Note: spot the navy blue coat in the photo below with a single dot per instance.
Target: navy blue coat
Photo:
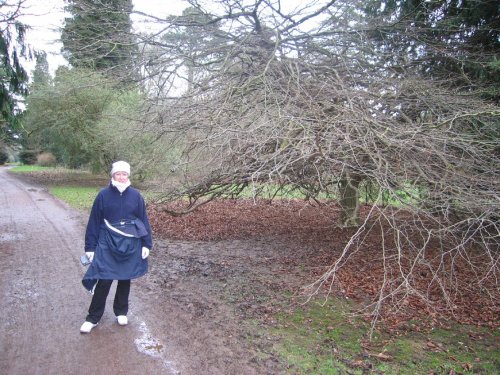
(114, 206)
(117, 245)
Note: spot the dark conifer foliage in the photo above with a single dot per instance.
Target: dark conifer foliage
(13, 76)
(98, 36)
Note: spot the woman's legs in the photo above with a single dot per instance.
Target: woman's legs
(120, 305)
(96, 309)
(101, 291)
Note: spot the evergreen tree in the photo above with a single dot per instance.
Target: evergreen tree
(13, 77)
(457, 41)
(41, 75)
(98, 36)
(62, 116)
(29, 140)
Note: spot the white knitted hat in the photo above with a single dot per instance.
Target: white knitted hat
(120, 166)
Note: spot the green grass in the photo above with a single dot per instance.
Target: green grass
(407, 196)
(317, 339)
(268, 191)
(78, 197)
(78, 188)
(30, 168)
(75, 187)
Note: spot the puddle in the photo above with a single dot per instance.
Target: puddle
(7, 237)
(151, 346)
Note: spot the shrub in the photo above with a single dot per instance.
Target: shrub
(28, 157)
(4, 157)
(46, 159)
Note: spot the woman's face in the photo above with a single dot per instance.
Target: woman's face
(121, 177)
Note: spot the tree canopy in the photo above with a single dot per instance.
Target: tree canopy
(394, 99)
(13, 76)
(457, 40)
(98, 36)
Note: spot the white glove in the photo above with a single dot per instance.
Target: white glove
(90, 255)
(145, 252)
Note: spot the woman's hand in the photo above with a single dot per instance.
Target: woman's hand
(145, 252)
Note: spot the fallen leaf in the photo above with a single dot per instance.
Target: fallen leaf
(358, 363)
(384, 357)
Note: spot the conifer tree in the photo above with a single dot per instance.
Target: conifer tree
(13, 76)
(98, 36)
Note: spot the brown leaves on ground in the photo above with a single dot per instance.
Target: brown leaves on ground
(315, 243)
(244, 218)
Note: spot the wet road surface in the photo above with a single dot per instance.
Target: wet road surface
(43, 303)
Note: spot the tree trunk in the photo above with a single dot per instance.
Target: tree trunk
(349, 200)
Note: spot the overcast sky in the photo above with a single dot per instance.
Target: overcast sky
(46, 17)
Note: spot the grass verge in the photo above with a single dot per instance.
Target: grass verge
(77, 188)
(323, 339)
(79, 197)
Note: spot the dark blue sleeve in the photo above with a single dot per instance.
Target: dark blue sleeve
(147, 240)
(94, 224)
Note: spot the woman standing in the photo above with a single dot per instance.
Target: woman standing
(117, 243)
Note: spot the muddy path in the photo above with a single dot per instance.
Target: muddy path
(216, 300)
(198, 310)
(43, 304)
